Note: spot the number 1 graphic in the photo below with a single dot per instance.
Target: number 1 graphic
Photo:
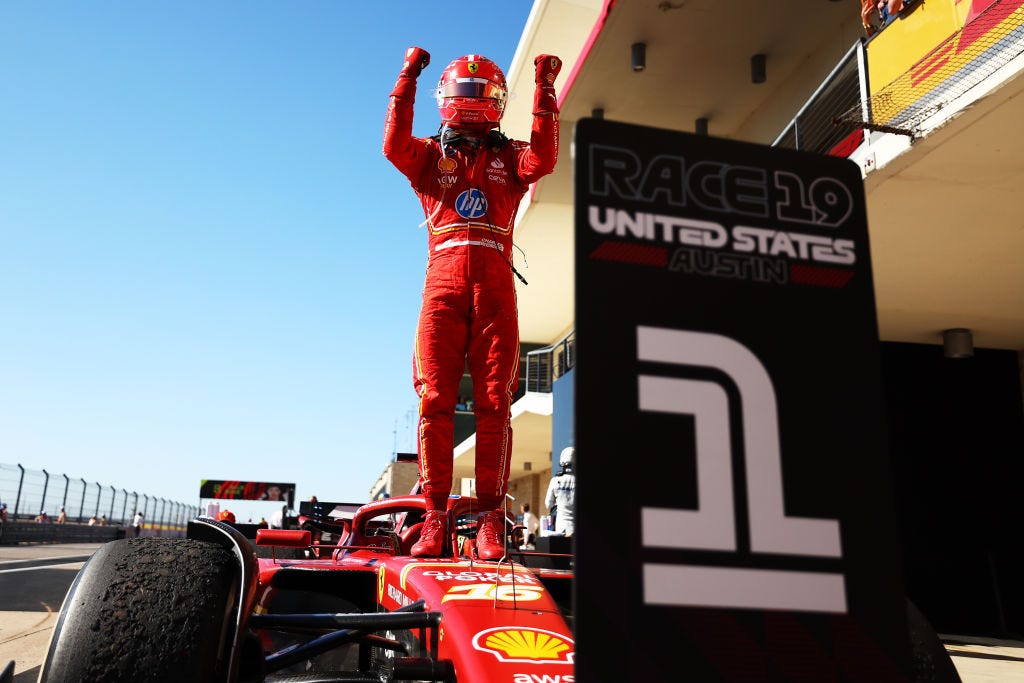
(712, 526)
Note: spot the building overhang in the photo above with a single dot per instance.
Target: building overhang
(531, 443)
(944, 220)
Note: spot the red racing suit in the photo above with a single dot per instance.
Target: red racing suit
(470, 196)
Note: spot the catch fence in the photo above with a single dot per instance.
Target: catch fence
(30, 493)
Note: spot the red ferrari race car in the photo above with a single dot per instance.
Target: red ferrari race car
(214, 607)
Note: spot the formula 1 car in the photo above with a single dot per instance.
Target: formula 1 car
(213, 607)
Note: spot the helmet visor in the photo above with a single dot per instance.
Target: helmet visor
(471, 87)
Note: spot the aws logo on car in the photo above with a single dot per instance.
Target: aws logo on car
(471, 204)
(525, 645)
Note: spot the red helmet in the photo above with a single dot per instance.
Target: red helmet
(472, 90)
(226, 516)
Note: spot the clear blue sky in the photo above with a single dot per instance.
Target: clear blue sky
(208, 270)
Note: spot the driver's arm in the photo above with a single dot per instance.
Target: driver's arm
(406, 152)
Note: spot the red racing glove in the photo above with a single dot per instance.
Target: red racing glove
(416, 59)
(548, 67)
(544, 100)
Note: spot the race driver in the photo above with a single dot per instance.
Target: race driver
(469, 179)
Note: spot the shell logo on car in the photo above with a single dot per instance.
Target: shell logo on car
(527, 645)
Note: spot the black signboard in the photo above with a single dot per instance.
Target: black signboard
(734, 504)
(247, 490)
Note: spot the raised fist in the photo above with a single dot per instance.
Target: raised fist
(416, 59)
(548, 67)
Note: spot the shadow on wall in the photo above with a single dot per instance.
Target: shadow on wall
(957, 445)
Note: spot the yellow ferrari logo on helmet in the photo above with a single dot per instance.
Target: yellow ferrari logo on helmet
(472, 66)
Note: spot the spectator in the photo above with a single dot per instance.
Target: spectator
(877, 14)
(3, 512)
(888, 10)
(531, 527)
(62, 518)
(137, 524)
(868, 11)
(226, 516)
(103, 520)
(263, 523)
(277, 519)
(92, 521)
(43, 518)
(562, 494)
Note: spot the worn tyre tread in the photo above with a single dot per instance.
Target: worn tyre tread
(144, 609)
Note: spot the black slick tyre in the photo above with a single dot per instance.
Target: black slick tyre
(931, 662)
(146, 609)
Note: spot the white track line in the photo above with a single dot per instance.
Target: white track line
(66, 565)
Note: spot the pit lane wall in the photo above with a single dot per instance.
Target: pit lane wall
(13, 533)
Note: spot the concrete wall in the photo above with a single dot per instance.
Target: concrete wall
(12, 533)
(530, 489)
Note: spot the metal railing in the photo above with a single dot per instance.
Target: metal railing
(29, 493)
(842, 107)
(961, 62)
(544, 366)
(817, 126)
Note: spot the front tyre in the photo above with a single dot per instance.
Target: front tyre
(146, 609)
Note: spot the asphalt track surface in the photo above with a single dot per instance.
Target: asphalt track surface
(35, 578)
(33, 582)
